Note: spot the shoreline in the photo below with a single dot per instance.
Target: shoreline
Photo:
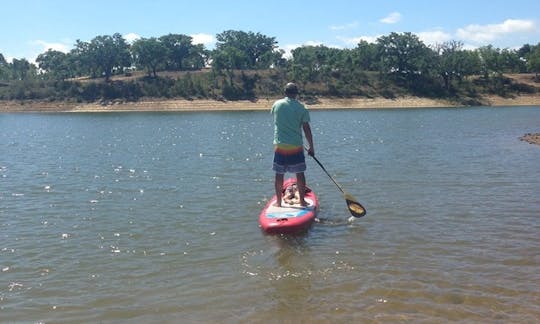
(201, 105)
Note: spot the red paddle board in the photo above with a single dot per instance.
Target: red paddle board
(289, 218)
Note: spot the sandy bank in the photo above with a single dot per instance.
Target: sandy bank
(261, 104)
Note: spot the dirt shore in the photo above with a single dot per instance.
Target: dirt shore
(261, 104)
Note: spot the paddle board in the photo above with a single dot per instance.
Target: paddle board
(288, 218)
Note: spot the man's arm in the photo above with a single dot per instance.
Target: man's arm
(309, 138)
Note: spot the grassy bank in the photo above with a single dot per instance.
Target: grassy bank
(255, 90)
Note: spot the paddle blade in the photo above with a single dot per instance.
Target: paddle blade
(355, 208)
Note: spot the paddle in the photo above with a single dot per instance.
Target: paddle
(355, 208)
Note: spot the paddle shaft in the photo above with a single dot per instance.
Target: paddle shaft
(328, 174)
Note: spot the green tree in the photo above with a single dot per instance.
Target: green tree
(451, 62)
(82, 60)
(197, 59)
(228, 59)
(455, 63)
(182, 54)
(524, 51)
(108, 53)
(533, 61)
(305, 65)
(4, 68)
(404, 57)
(365, 56)
(54, 63)
(149, 53)
(469, 63)
(511, 62)
(333, 67)
(22, 69)
(490, 61)
(244, 50)
(313, 63)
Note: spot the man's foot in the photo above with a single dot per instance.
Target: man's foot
(303, 203)
(276, 204)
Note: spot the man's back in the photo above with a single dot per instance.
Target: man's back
(289, 115)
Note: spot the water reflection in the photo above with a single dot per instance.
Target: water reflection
(292, 278)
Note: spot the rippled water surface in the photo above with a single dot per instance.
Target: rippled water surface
(153, 218)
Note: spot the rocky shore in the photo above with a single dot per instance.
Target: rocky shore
(531, 138)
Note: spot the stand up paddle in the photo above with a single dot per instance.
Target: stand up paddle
(355, 208)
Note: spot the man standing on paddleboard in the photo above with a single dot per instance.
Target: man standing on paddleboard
(290, 118)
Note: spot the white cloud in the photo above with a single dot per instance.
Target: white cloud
(434, 37)
(45, 46)
(290, 47)
(313, 43)
(201, 38)
(511, 33)
(353, 41)
(205, 39)
(9, 59)
(469, 47)
(344, 27)
(131, 37)
(392, 18)
(428, 37)
(288, 50)
(41, 46)
(488, 33)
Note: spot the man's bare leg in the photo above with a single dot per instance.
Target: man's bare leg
(278, 184)
(301, 182)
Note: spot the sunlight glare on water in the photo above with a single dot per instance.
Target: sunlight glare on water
(152, 217)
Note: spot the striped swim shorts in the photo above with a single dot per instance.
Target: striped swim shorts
(289, 159)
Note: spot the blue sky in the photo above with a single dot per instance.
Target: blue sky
(30, 27)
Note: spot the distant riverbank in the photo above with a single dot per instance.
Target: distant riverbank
(156, 105)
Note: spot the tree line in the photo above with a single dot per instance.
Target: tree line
(247, 65)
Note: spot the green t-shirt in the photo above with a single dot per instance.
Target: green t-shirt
(289, 116)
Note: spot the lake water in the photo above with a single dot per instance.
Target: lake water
(152, 217)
